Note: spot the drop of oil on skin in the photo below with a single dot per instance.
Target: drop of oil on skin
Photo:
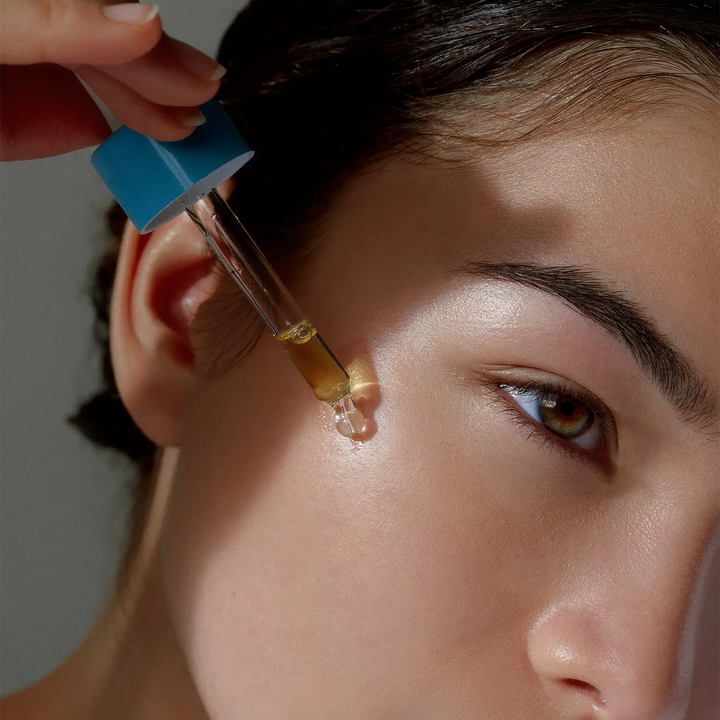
(349, 421)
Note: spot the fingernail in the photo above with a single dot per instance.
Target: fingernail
(190, 117)
(198, 63)
(137, 13)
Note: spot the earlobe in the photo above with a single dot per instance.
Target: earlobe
(162, 279)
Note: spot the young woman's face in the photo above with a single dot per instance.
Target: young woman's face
(485, 549)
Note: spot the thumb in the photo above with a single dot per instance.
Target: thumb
(76, 31)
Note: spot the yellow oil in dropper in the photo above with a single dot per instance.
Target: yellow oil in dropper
(315, 361)
(297, 336)
(324, 374)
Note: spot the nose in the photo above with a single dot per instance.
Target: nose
(592, 671)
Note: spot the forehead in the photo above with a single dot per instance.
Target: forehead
(637, 204)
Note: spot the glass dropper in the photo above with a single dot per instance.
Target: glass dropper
(267, 293)
(156, 181)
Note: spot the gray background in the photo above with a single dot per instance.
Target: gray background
(62, 502)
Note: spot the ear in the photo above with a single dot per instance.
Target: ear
(162, 279)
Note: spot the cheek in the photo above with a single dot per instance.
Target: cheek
(293, 556)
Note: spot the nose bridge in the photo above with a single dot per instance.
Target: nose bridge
(620, 644)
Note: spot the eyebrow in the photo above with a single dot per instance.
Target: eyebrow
(583, 291)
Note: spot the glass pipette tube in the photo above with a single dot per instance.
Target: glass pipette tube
(267, 293)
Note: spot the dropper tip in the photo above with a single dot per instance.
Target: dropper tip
(349, 421)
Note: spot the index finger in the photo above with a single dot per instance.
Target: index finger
(76, 32)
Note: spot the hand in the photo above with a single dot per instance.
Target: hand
(152, 82)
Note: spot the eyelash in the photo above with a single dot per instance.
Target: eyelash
(544, 435)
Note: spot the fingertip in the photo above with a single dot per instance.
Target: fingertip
(127, 32)
(176, 124)
(132, 13)
(190, 117)
(134, 39)
(175, 133)
(170, 131)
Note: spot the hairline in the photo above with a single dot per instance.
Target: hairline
(656, 81)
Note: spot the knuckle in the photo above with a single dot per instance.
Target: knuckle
(52, 16)
(50, 13)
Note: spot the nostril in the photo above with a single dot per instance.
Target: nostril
(586, 689)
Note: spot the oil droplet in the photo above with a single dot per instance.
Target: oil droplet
(349, 421)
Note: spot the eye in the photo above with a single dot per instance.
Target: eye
(564, 415)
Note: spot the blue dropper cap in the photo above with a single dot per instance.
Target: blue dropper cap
(155, 181)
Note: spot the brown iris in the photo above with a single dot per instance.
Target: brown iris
(565, 416)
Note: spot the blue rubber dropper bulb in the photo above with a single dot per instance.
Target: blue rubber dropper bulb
(155, 181)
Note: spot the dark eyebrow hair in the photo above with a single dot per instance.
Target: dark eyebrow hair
(585, 293)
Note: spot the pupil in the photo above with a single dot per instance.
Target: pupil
(567, 407)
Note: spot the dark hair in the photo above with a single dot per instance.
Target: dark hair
(323, 88)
